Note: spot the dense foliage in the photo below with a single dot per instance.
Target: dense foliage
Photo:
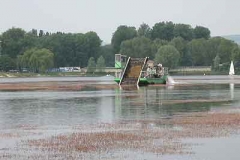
(167, 55)
(100, 66)
(91, 65)
(180, 44)
(38, 60)
(67, 49)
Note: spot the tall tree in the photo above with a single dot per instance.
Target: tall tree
(163, 31)
(183, 30)
(45, 57)
(121, 34)
(157, 43)
(225, 50)
(92, 44)
(101, 65)
(29, 41)
(216, 62)
(91, 65)
(235, 54)
(6, 63)
(201, 32)
(37, 60)
(41, 33)
(12, 42)
(108, 55)
(72, 49)
(180, 44)
(168, 55)
(197, 50)
(137, 47)
(212, 47)
(144, 30)
(34, 32)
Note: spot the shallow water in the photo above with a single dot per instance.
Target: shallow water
(58, 111)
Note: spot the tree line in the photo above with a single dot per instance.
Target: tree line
(171, 44)
(175, 45)
(39, 51)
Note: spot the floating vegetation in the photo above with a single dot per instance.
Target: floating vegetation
(53, 86)
(121, 139)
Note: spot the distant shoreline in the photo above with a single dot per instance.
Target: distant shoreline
(52, 74)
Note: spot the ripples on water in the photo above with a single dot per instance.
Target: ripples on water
(53, 110)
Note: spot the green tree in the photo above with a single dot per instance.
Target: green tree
(92, 44)
(41, 33)
(12, 42)
(180, 44)
(216, 62)
(201, 32)
(197, 50)
(212, 47)
(163, 31)
(168, 55)
(71, 49)
(225, 50)
(33, 32)
(91, 65)
(121, 34)
(6, 63)
(24, 60)
(101, 65)
(183, 30)
(29, 41)
(0, 45)
(34, 62)
(157, 43)
(144, 30)
(45, 57)
(107, 53)
(236, 54)
(37, 60)
(137, 47)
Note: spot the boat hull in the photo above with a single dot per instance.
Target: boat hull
(147, 81)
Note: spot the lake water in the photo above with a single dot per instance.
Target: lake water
(57, 112)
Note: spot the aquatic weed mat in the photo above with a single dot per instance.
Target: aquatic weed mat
(125, 139)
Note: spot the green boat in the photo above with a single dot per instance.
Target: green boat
(138, 71)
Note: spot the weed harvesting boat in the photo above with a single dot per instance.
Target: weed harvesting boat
(139, 71)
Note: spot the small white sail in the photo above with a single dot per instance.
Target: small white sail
(231, 70)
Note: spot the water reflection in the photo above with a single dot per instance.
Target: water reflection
(160, 102)
(94, 105)
(231, 86)
(55, 108)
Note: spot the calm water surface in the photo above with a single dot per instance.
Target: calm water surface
(91, 105)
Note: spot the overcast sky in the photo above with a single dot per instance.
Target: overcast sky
(222, 17)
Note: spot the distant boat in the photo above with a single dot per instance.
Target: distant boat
(231, 70)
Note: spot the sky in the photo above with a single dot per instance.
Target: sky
(104, 16)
